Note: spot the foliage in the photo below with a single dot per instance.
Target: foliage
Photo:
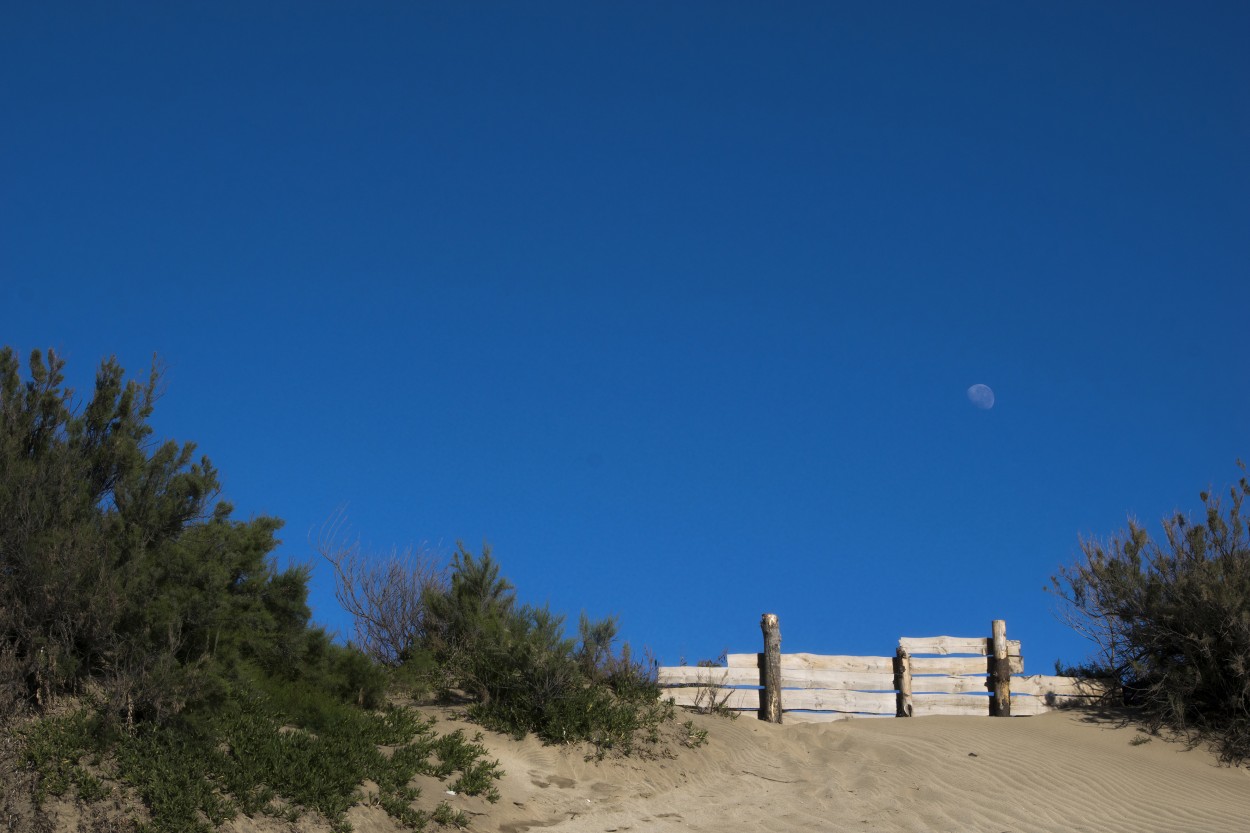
(1171, 619)
(116, 566)
(694, 737)
(474, 628)
(258, 754)
(203, 687)
(1088, 670)
(202, 684)
(526, 676)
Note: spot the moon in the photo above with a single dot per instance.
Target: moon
(981, 396)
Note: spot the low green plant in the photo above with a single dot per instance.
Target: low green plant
(56, 748)
(693, 737)
(171, 772)
(444, 814)
(276, 749)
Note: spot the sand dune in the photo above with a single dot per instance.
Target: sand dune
(1054, 772)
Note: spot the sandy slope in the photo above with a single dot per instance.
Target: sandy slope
(1056, 772)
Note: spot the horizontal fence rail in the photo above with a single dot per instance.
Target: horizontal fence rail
(937, 675)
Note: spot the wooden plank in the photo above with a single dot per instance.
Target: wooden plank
(978, 645)
(1042, 684)
(735, 698)
(958, 665)
(807, 699)
(1031, 695)
(745, 660)
(949, 684)
(931, 704)
(876, 665)
(816, 717)
(841, 701)
(821, 678)
(696, 675)
(982, 701)
(829, 717)
(863, 681)
(884, 665)
(1028, 704)
(944, 645)
(1025, 705)
(923, 710)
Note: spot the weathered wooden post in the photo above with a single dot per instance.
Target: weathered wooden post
(771, 668)
(902, 682)
(1000, 672)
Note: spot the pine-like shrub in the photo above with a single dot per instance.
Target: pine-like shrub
(525, 675)
(1171, 620)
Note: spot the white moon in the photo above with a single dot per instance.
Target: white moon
(981, 396)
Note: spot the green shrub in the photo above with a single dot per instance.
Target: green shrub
(1172, 620)
(526, 675)
(124, 576)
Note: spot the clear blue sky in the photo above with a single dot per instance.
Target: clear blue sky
(674, 304)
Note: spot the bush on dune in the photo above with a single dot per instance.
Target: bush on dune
(185, 659)
(1171, 620)
(465, 631)
(526, 675)
(118, 570)
(126, 586)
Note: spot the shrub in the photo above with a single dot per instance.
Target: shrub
(202, 684)
(118, 571)
(525, 675)
(385, 597)
(90, 514)
(1171, 620)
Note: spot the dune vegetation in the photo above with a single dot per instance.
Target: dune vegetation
(151, 650)
(155, 659)
(1170, 620)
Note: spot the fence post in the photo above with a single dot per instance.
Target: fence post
(770, 670)
(902, 682)
(1000, 672)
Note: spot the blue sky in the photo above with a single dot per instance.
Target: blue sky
(675, 305)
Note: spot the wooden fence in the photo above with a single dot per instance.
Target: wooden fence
(926, 676)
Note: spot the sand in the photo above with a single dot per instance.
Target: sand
(1054, 772)
(1064, 771)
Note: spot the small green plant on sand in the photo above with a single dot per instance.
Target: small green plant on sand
(692, 736)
